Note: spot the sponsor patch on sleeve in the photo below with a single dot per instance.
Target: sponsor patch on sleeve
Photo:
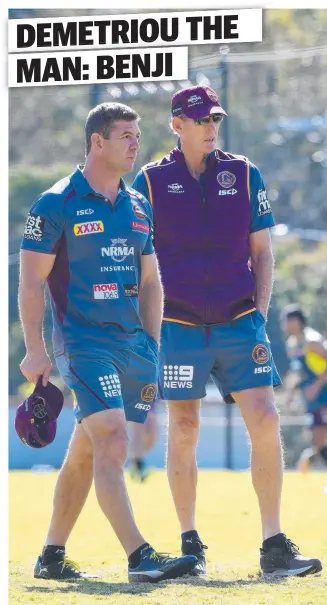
(263, 203)
(34, 227)
(140, 227)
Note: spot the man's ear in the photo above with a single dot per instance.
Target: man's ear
(177, 125)
(96, 142)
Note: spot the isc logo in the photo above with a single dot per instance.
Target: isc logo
(143, 406)
(262, 370)
(227, 191)
(86, 211)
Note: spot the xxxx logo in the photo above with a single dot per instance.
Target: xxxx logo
(86, 228)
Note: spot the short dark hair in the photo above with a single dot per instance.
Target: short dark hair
(294, 312)
(101, 118)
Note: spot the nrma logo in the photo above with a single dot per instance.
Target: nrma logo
(178, 377)
(118, 250)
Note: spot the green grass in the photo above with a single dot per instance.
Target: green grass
(228, 522)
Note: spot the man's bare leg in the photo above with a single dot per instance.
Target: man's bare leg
(108, 433)
(183, 433)
(262, 420)
(72, 487)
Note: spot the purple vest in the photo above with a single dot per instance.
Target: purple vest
(201, 237)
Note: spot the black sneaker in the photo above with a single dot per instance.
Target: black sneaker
(281, 557)
(59, 570)
(194, 546)
(155, 566)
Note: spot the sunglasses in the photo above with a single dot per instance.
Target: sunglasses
(215, 118)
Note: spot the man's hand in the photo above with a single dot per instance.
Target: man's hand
(36, 364)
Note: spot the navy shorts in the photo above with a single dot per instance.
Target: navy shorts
(100, 379)
(237, 355)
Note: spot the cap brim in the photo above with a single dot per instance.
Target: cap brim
(202, 111)
(217, 109)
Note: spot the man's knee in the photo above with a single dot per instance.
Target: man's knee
(109, 437)
(264, 421)
(184, 428)
(79, 453)
(267, 424)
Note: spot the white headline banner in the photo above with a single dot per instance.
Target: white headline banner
(154, 29)
(102, 67)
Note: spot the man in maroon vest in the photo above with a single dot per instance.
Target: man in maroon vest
(211, 233)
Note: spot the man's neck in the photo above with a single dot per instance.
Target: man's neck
(195, 162)
(101, 181)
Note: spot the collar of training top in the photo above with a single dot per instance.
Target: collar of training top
(83, 187)
(209, 160)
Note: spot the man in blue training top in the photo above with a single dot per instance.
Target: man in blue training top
(307, 352)
(211, 235)
(90, 238)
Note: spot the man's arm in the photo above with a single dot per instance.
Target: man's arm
(151, 296)
(34, 270)
(262, 263)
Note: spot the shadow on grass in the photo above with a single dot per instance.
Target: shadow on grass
(90, 587)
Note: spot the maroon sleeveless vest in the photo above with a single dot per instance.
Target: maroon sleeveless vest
(201, 237)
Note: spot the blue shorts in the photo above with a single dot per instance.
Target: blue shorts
(100, 379)
(236, 354)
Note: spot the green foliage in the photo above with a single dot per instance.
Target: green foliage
(301, 277)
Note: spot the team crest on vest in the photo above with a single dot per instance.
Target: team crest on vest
(226, 179)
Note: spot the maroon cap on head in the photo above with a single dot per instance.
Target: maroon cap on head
(196, 102)
(36, 417)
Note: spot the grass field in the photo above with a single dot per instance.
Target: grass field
(228, 521)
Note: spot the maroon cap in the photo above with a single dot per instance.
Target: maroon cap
(196, 102)
(36, 417)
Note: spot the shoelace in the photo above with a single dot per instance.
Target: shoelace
(69, 563)
(291, 547)
(162, 557)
